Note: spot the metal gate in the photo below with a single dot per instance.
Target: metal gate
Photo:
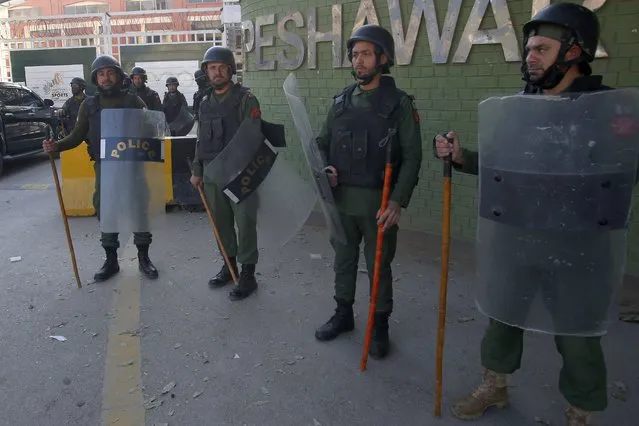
(109, 32)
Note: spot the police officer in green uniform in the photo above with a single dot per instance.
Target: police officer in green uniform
(69, 111)
(220, 114)
(203, 88)
(106, 74)
(559, 43)
(174, 100)
(139, 88)
(363, 119)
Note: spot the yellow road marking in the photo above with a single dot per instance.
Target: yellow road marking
(122, 400)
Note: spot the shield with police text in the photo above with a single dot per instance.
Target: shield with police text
(556, 178)
(250, 171)
(314, 159)
(132, 196)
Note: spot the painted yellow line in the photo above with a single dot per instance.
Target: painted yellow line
(122, 400)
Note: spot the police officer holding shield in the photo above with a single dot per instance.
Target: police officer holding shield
(139, 88)
(69, 111)
(363, 120)
(559, 43)
(221, 113)
(107, 75)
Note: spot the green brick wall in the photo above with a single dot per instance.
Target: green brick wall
(446, 94)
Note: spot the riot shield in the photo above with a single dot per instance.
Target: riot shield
(555, 188)
(183, 123)
(314, 159)
(249, 170)
(132, 196)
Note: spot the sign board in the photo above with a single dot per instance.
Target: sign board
(157, 73)
(53, 81)
(231, 14)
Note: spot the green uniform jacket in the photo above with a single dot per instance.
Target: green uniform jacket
(359, 201)
(249, 109)
(81, 130)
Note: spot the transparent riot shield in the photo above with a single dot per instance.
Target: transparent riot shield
(556, 179)
(314, 159)
(132, 195)
(249, 170)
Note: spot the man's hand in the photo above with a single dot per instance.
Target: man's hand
(391, 216)
(196, 181)
(49, 145)
(444, 147)
(331, 172)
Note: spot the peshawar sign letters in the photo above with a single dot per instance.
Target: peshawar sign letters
(440, 43)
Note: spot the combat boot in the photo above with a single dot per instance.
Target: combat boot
(110, 267)
(247, 284)
(380, 344)
(224, 277)
(145, 264)
(577, 417)
(341, 322)
(492, 392)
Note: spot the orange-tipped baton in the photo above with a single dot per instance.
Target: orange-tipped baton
(63, 213)
(388, 171)
(215, 231)
(443, 284)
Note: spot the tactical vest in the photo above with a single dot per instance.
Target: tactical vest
(357, 134)
(72, 106)
(93, 108)
(218, 122)
(171, 106)
(148, 96)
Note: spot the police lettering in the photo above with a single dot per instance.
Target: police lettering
(252, 168)
(142, 146)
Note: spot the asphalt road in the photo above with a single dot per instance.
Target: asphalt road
(253, 362)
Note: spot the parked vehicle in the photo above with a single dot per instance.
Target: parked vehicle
(25, 119)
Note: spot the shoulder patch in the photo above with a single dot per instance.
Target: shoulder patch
(256, 113)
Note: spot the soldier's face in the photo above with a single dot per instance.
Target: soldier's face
(542, 53)
(364, 60)
(218, 73)
(137, 80)
(172, 87)
(76, 89)
(107, 78)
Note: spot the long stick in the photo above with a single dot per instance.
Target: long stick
(443, 285)
(63, 212)
(378, 261)
(215, 231)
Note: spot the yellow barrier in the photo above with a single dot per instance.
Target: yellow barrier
(78, 179)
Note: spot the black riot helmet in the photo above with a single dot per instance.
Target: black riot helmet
(199, 76)
(126, 80)
(578, 25)
(141, 72)
(79, 81)
(172, 80)
(219, 54)
(380, 37)
(105, 61)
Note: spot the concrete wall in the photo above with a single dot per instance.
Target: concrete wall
(446, 93)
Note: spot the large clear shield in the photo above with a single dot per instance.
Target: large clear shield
(556, 181)
(250, 171)
(314, 159)
(132, 176)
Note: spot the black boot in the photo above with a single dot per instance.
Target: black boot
(110, 267)
(341, 322)
(146, 266)
(224, 277)
(247, 284)
(380, 344)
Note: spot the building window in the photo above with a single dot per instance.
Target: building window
(202, 1)
(141, 5)
(207, 29)
(21, 12)
(86, 7)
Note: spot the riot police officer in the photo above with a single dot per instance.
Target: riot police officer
(559, 44)
(107, 75)
(203, 87)
(174, 100)
(139, 88)
(221, 112)
(126, 82)
(69, 111)
(365, 120)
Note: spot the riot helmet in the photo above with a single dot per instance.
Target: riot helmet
(79, 81)
(380, 37)
(570, 24)
(219, 54)
(172, 80)
(141, 72)
(106, 61)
